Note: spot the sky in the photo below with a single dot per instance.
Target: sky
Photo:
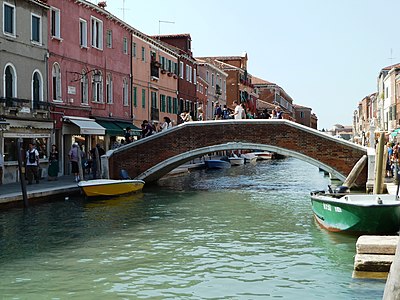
(326, 54)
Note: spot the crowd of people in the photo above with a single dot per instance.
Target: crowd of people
(90, 163)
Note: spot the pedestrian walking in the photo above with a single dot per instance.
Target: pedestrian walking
(32, 163)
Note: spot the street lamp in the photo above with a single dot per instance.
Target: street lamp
(96, 75)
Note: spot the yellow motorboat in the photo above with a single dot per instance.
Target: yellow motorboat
(110, 187)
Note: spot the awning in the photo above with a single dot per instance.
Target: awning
(112, 128)
(135, 130)
(87, 126)
(30, 124)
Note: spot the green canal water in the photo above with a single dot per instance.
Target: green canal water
(242, 233)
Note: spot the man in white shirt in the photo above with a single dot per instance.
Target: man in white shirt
(32, 164)
(238, 113)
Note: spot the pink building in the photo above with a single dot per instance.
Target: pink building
(155, 80)
(89, 71)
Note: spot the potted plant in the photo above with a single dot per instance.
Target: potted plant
(169, 74)
(175, 76)
(163, 71)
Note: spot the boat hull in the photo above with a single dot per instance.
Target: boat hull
(263, 155)
(109, 188)
(236, 161)
(217, 164)
(352, 215)
(249, 157)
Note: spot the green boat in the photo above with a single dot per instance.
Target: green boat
(357, 213)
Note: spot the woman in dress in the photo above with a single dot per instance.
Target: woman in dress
(53, 163)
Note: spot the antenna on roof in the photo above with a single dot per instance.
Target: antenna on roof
(391, 56)
(159, 25)
(123, 10)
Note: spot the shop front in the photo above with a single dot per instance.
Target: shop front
(37, 132)
(84, 131)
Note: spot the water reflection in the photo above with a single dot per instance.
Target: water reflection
(243, 233)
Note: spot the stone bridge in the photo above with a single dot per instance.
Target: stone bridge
(153, 157)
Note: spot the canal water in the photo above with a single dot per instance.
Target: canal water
(241, 233)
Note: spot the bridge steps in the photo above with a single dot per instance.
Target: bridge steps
(374, 256)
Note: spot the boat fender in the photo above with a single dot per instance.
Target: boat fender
(379, 200)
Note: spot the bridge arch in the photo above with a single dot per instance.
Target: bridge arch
(153, 157)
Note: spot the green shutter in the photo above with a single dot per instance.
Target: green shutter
(175, 107)
(143, 98)
(135, 96)
(162, 103)
(169, 104)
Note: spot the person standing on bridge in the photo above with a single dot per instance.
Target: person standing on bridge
(278, 113)
(238, 113)
(186, 117)
(217, 112)
(166, 125)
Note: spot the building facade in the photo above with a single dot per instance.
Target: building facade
(215, 79)
(89, 71)
(155, 80)
(187, 71)
(23, 92)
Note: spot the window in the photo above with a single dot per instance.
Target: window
(125, 91)
(190, 74)
(175, 105)
(195, 76)
(11, 147)
(208, 77)
(109, 89)
(97, 33)
(302, 114)
(84, 88)
(153, 100)
(83, 33)
(187, 73)
(56, 82)
(125, 49)
(36, 30)
(169, 104)
(143, 54)
(97, 88)
(135, 96)
(109, 39)
(55, 23)
(10, 82)
(162, 103)
(169, 65)
(37, 88)
(212, 79)
(9, 19)
(143, 98)
(176, 68)
(134, 49)
(181, 69)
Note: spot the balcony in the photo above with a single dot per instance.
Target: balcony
(14, 102)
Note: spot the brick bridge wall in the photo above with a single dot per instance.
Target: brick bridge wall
(144, 154)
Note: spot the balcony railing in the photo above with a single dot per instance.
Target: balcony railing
(14, 102)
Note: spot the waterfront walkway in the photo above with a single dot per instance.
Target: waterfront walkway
(12, 193)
